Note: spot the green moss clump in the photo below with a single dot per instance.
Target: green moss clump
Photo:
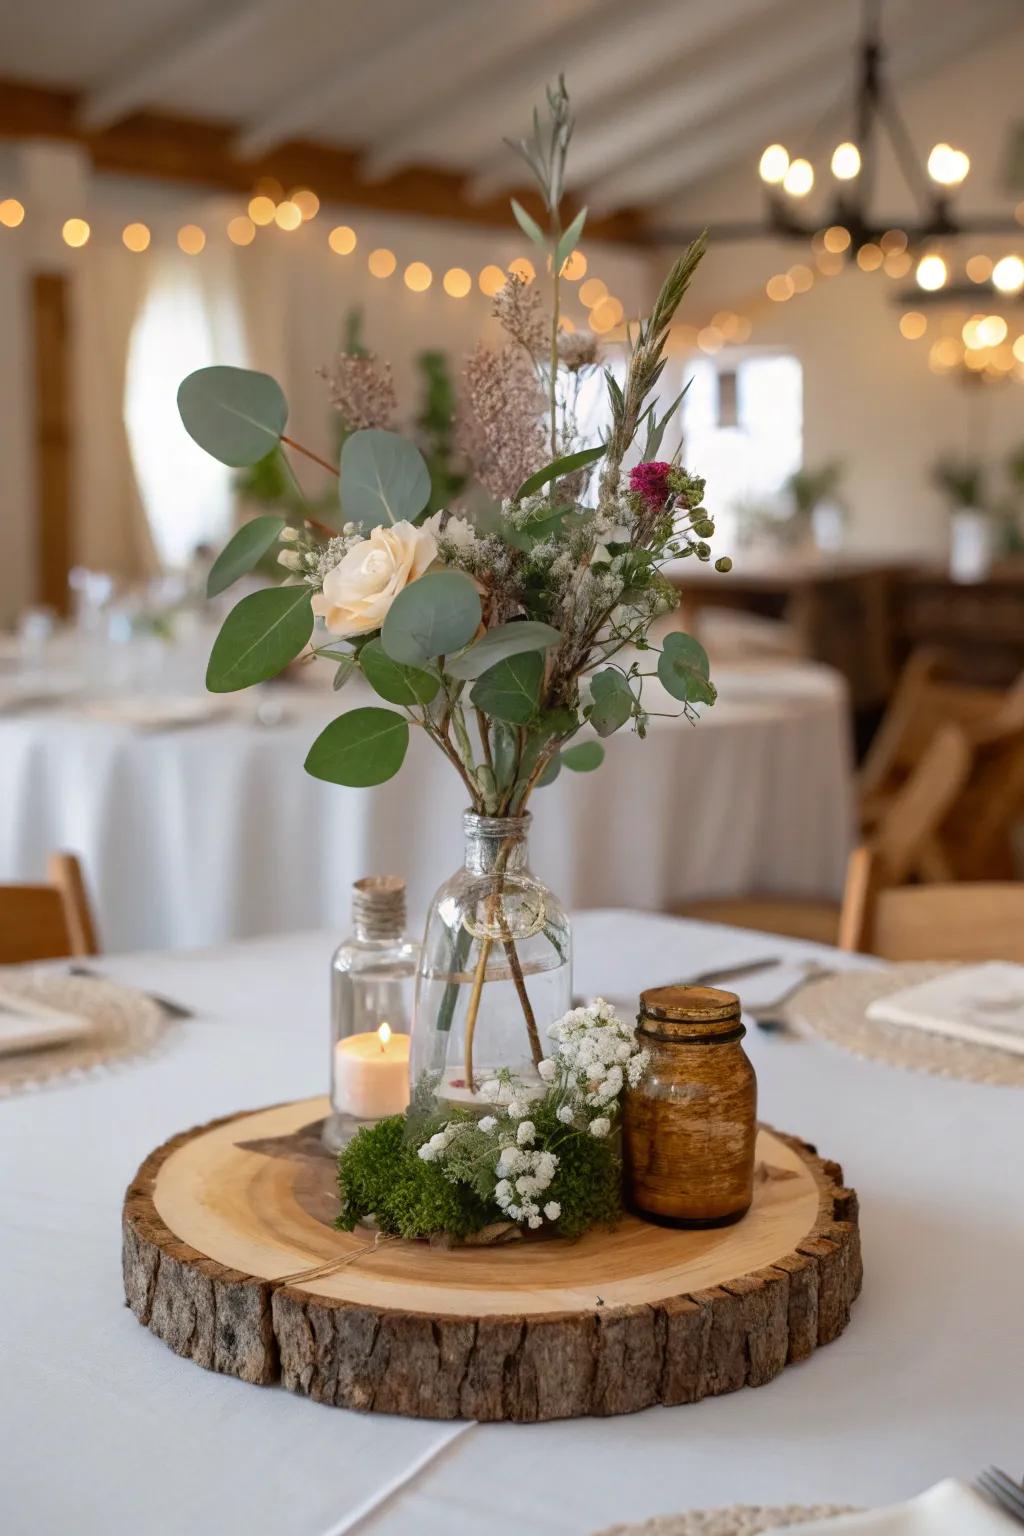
(588, 1183)
(380, 1175)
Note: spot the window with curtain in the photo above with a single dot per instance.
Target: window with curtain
(742, 421)
(189, 318)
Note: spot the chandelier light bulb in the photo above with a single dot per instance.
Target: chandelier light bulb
(947, 166)
(932, 273)
(799, 178)
(1008, 274)
(845, 161)
(774, 164)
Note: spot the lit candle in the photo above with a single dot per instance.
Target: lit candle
(371, 1074)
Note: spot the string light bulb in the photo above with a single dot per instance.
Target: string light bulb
(774, 164)
(456, 282)
(523, 269)
(913, 325)
(306, 202)
(592, 292)
(491, 281)
(75, 232)
(418, 276)
(381, 262)
(845, 161)
(947, 166)
(836, 239)
(241, 230)
(869, 257)
(1008, 274)
(135, 237)
(11, 213)
(262, 209)
(978, 268)
(799, 178)
(287, 215)
(932, 273)
(191, 239)
(574, 267)
(342, 240)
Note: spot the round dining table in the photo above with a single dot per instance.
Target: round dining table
(105, 1432)
(196, 824)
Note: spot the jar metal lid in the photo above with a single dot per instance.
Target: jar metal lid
(690, 1005)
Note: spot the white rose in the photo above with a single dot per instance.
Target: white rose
(359, 591)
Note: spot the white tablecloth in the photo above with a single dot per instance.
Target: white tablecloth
(215, 832)
(104, 1432)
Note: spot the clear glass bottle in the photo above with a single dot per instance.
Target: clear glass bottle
(372, 983)
(495, 970)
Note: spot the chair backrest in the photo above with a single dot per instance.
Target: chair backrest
(918, 808)
(965, 921)
(47, 922)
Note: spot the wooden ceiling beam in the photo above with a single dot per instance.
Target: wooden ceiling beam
(189, 150)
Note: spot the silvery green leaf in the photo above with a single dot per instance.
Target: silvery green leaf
(559, 467)
(360, 748)
(501, 641)
(433, 616)
(346, 667)
(551, 772)
(511, 690)
(529, 226)
(683, 669)
(243, 552)
(384, 479)
(584, 757)
(504, 751)
(613, 701)
(259, 637)
(236, 414)
(395, 682)
(570, 239)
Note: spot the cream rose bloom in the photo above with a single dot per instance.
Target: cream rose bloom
(359, 591)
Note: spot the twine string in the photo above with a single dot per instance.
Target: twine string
(332, 1266)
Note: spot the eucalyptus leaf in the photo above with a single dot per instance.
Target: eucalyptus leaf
(559, 467)
(504, 751)
(570, 239)
(384, 479)
(551, 772)
(346, 667)
(431, 617)
(236, 414)
(529, 226)
(393, 681)
(259, 637)
(613, 701)
(360, 748)
(683, 669)
(242, 553)
(584, 757)
(511, 690)
(540, 528)
(501, 641)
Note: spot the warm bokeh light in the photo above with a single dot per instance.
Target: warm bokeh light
(135, 237)
(948, 166)
(870, 257)
(457, 282)
(836, 239)
(799, 178)
(523, 268)
(565, 324)
(11, 213)
(774, 164)
(779, 288)
(241, 230)
(75, 232)
(801, 277)
(978, 268)
(261, 209)
(845, 161)
(944, 354)
(342, 240)
(913, 325)
(1018, 349)
(593, 291)
(685, 336)
(1002, 359)
(976, 361)
(1018, 213)
(710, 339)
(992, 330)
(270, 188)
(606, 315)
(931, 273)
(742, 329)
(306, 202)
(829, 264)
(894, 242)
(491, 280)
(1008, 274)
(191, 239)
(898, 263)
(287, 215)
(574, 267)
(381, 262)
(418, 276)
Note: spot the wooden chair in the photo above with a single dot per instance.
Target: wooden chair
(907, 826)
(966, 921)
(47, 922)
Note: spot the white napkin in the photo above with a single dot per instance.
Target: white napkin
(156, 713)
(949, 1509)
(980, 1003)
(26, 1024)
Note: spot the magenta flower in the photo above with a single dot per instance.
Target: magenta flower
(651, 482)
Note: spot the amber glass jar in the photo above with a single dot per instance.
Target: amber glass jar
(690, 1125)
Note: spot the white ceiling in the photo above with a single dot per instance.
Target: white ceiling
(667, 92)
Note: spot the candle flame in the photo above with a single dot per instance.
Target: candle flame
(384, 1035)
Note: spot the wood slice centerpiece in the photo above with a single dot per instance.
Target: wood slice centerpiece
(231, 1258)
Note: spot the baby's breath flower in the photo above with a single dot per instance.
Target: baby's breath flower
(600, 1127)
(488, 1123)
(525, 1133)
(546, 1069)
(552, 1210)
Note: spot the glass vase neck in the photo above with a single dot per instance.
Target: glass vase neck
(495, 843)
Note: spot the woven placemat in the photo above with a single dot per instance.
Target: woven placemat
(124, 1023)
(737, 1520)
(835, 1008)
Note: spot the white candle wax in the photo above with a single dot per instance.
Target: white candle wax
(371, 1074)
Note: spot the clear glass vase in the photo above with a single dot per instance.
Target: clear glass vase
(495, 971)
